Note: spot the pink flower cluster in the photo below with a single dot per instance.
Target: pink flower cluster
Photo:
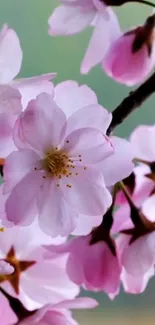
(63, 174)
(128, 57)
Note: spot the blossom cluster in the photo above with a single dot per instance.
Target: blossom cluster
(126, 56)
(64, 174)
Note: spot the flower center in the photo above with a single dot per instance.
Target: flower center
(56, 163)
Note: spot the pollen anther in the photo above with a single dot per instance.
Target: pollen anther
(55, 163)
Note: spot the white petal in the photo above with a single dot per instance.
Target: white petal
(10, 55)
(68, 20)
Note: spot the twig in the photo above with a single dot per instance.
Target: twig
(132, 102)
(122, 2)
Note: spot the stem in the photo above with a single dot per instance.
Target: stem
(143, 161)
(132, 102)
(118, 3)
(145, 2)
(127, 194)
(135, 213)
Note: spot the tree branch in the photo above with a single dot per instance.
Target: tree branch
(132, 102)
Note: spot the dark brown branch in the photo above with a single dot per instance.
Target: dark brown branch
(132, 102)
(118, 3)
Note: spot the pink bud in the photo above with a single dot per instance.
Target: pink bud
(132, 56)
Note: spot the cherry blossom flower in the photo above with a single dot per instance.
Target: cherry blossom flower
(136, 248)
(137, 50)
(143, 186)
(133, 284)
(35, 281)
(137, 220)
(7, 316)
(142, 139)
(66, 165)
(15, 94)
(83, 254)
(59, 313)
(136, 255)
(74, 16)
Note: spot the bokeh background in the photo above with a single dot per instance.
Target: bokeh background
(63, 55)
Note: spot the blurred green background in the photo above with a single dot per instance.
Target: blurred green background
(63, 55)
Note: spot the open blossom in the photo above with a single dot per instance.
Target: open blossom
(58, 169)
(135, 250)
(35, 281)
(136, 245)
(143, 141)
(74, 16)
(15, 94)
(132, 283)
(63, 165)
(137, 51)
(59, 313)
(138, 223)
(93, 265)
(141, 183)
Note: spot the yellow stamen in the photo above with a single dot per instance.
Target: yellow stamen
(55, 163)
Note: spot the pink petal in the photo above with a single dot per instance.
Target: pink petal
(101, 7)
(78, 303)
(85, 224)
(136, 284)
(144, 185)
(10, 55)
(7, 316)
(5, 268)
(17, 165)
(122, 219)
(88, 144)
(24, 193)
(87, 194)
(3, 199)
(6, 142)
(106, 30)
(70, 97)
(139, 257)
(48, 282)
(30, 88)
(68, 20)
(18, 136)
(120, 160)
(148, 208)
(41, 124)
(91, 116)
(77, 248)
(106, 274)
(10, 100)
(55, 215)
(142, 140)
(10, 108)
